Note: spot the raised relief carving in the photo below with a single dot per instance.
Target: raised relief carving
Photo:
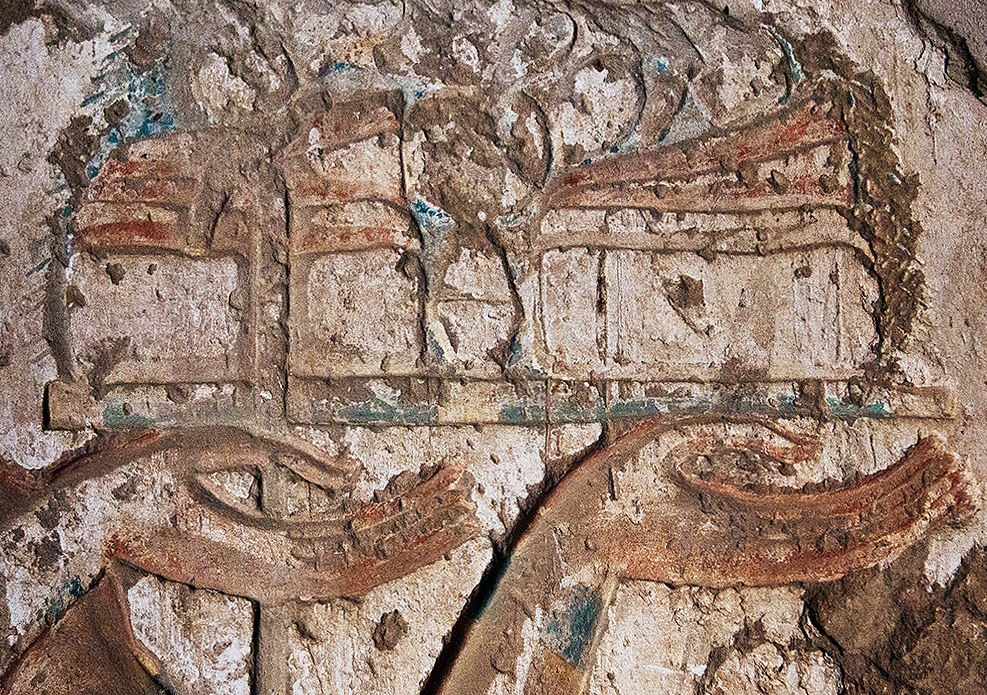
(558, 226)
(271, 520)
(687, 501)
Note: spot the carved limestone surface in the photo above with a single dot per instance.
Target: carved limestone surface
(685, 502)
(509, 346)
(234, 501)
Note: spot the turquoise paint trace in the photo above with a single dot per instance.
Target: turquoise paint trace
(340, 67)
(431, 218)
(522, 415)
(842, 409)
(434, 346)
(534, 411)
(113, 416)
(376, 411)
(571, 631)
(152, 111)
(58, 603)
(794, 67)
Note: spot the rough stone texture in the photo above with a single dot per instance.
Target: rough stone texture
(356, 295)
(203, 639)
(675, 640)
(771, 317)
(176, 323)
(335, 648)
(334, 337)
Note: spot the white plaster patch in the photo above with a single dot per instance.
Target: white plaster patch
(505, 461)
(659, 639)
(175, 325)
(374, 18)
(478, 275)
(43, 86)
(339, 654)
(466, 53)
(216, 89)
(501, 12)
(202, 638)
(949, 546)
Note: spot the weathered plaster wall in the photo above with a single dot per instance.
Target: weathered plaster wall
(268, 264)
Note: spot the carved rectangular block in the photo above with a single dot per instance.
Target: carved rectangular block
(141, 198)
(491, 402)
(354, 314)
(784, 316)
(709, 232)
(158, 318)
(649, 315)
(570, 308)
(408, 401)
(136, 224)
(69, 404)
(390, 401)
(364, 170)
(365, 224)
(476, 330)
(144, 405)
(775, 184)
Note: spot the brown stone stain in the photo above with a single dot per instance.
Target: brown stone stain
(892, 634)
(91, 650)
(389, 631)
(885, 193)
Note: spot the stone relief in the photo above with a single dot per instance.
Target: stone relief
(403, 347)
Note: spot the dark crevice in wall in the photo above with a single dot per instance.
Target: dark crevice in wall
(498, 565)
(962, 66)
(893, 634)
